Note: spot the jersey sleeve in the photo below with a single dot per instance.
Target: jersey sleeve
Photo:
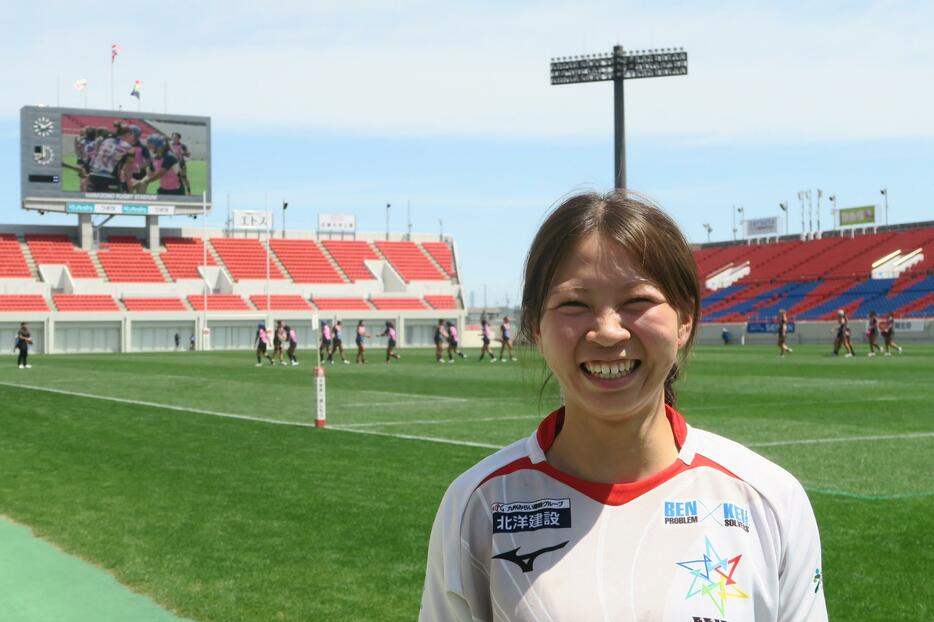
(801, 581)
(442, 597)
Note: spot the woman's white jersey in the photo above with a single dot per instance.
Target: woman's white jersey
(722, 534)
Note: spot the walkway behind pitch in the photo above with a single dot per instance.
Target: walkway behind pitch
(40, 583)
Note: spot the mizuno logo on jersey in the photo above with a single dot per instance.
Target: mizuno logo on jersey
(526, 561)
(531, 515)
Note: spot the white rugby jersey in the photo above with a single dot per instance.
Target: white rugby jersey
(721, 534)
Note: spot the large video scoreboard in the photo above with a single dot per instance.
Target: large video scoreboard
(80, 161)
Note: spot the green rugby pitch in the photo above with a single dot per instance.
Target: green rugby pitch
(149, 466)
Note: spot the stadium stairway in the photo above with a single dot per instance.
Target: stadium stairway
(157, 257)
(444, 255)
(30, 260)
(218, 261)
(276, 261)
(435, 262)
(96, 262)
(334, 264)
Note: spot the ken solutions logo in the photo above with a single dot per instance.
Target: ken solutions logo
(693, 511)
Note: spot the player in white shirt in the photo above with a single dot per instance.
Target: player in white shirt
(615, 508)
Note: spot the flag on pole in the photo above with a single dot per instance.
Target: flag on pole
(114, 52)
(81, 84)
(135, 91)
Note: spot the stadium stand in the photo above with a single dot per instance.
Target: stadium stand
(305, 261)
(341, 304)
(219, 302)
(442, 253)
(245, 258)
(183, 256)
(281, 302)
(126, 261)
(398, 304)
(409, 261)
(442, 302)
(154, 304)
(350, 255)
(12, 261)
(813, 279)
(13, 303)
(58, 249)
(84, 302)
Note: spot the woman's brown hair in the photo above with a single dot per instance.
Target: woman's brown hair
(640, 227)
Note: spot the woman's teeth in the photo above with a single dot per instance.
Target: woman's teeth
(610, 370)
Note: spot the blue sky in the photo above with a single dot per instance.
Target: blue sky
(345, 106)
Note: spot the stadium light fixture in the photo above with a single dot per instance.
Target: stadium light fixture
(618, 67)
(885, 194)
(285, 206)
(784, 207)
(388, 205)
(708, 228)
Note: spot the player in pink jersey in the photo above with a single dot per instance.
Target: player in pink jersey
(181, 152)
(360, 340)
(390, 332)
(453, 342)
(261, 343)
(615, 508)
(137, 163)
(165, 168)
(324, 350)
(486, 334)
(293, 343)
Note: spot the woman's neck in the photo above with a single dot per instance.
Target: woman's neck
(614, 451)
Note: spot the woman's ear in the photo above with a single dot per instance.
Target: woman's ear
(684, 330)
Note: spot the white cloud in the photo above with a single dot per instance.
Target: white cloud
(481, 69)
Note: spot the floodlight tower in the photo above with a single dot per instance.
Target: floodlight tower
(618, 67)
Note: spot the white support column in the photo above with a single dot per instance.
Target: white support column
(85, 232)
(152, 232)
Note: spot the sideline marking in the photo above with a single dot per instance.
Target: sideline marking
(843, 439)
(155, 405)
(432, 439)
(376, 424)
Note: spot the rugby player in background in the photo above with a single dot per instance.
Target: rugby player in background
(181, 152)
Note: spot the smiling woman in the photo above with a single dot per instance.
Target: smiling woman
(615, 508)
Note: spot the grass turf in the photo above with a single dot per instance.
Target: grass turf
(225, 519)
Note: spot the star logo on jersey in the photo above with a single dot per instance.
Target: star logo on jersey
(526, 561)
(712, 576)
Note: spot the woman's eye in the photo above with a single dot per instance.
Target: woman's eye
(571, 304)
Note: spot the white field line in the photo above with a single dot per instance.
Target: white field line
(413, 437)
(844, 439)
(377, 424)
(186, 409)
(433, 439)
(433, 398)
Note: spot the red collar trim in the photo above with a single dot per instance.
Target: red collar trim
(551, 425)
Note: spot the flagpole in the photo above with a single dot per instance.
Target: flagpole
(111, 82)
